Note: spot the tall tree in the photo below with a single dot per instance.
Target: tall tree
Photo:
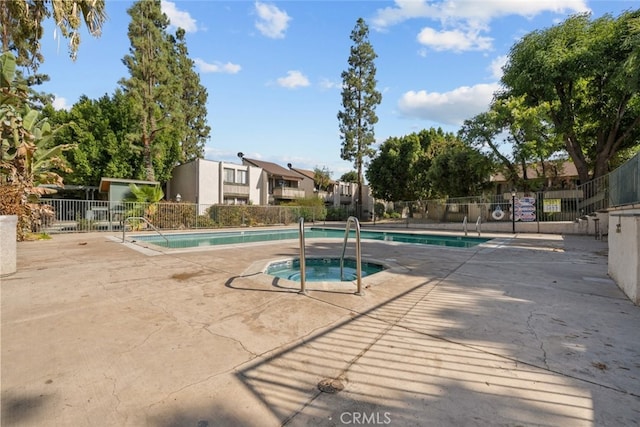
(194, 100)
(586, 73)
(359, 101)
(153, 86)
(21, 25)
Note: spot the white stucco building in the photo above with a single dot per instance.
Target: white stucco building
(209, 182)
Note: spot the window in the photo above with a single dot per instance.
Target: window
(229, 175)
(242, 177)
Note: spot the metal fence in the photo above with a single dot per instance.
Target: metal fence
(558, 205)
(68, 216)
(624, 183)
(620, 187)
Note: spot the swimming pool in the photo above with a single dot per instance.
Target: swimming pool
(215, 238)
(322, 269)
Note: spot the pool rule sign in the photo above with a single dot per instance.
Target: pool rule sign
(525, 209)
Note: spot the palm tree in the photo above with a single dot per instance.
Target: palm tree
(21, 25)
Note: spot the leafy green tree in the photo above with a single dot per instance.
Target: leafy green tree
(153, 87)
(103, 130)
(351, 176)
(524, 129)
(394, 174)
(21, 25)
(321, 178)
(586, 73)
(194, 100)
(359, 101)
(399, 170)
(459, 171)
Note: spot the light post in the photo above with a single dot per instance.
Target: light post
(178, 197)
(513, 211)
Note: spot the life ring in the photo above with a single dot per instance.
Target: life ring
(497, 214)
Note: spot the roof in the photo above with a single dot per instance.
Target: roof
(310, 174)
(274, 169)
(565, 170)
(305, 172)
(105, 183)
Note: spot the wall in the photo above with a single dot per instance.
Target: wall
(624, 250)
(183, 182)
(209, 183)
(255, 184)
(8, 248)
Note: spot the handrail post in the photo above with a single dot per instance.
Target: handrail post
(464, 225)
(479, 225)
(358, 253)
(303, 260)
(124, 227)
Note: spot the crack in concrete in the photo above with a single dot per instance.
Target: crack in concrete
(535, 334)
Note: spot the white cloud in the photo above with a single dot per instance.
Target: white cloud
(293, 80)
(455, 40)
(471, 11)
(496, 66)
(217, 67)
(451, 108)
(179, 18)
(463, 22)
(272, 22)
(328, 84)
(60, 103)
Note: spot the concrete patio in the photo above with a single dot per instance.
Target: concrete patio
(527, 330)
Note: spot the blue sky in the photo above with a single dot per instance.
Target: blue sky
(272, 68)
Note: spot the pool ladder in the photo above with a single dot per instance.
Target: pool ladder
(354, 220)
(350, 220)
(124, 227)
(478, 225)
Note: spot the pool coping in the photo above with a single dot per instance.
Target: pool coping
(151, 249)
(257, 270)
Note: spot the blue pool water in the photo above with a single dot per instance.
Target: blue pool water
(321, 269)
(190, 240)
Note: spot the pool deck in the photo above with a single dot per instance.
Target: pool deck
(527, 330)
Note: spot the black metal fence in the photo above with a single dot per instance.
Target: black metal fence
(559, 205)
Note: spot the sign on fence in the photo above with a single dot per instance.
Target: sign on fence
(551, 205)
(525, 209)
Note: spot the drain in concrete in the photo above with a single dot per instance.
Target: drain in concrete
(330, 385)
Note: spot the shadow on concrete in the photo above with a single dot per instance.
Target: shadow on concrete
(20, 408)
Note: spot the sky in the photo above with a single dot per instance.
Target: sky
(272, 69)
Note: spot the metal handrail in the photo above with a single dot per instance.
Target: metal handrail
(358, 253)
(303, 260)
(479, 225)
(124, 227)
(464, 225)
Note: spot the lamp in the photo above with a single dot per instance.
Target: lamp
(178, 197)
(513, 211)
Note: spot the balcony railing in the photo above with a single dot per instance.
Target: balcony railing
(288, 193)
(235, 189)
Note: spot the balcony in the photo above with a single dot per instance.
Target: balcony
(288, 193)
(235, 190)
